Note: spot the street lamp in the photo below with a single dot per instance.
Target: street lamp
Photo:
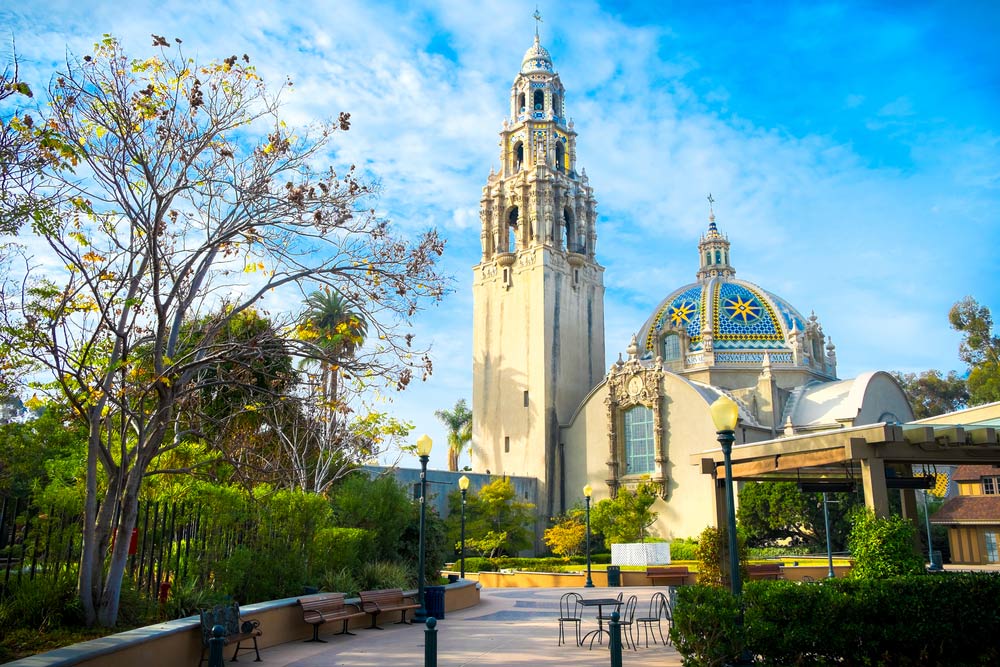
(829, 550)
(934, 567)
(587, 491)
(463, 484)
(725, 414)
(424, 444)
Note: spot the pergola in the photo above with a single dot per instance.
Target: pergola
(880, 456)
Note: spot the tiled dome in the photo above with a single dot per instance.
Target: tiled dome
(536, 59)
(739, 315)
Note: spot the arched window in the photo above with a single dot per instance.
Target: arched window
(512, 220)
(560, 156)
(568, 229)
(639, 441)
(520, 102)
(555, 106)
(708, 257)
(518, 156)
(718, 257)
(671, 347)
(539, 100)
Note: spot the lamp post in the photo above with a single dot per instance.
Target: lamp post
(829, 550)
(463, 484)
(424, 444)
(934, 567)
(725, 414)
(587, 491)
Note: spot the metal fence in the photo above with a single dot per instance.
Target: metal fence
(171, 540)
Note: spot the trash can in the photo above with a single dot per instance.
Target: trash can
(434, 601)
(614, 575)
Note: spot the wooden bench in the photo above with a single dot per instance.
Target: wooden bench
(389, 599)
(764, 571)
(325, 607)
(671, 576)
(228, 616)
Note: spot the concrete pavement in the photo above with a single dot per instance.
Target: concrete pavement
(514, 627)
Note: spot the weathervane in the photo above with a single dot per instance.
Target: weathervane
(538, 19)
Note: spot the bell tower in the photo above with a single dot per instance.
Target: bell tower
(538, 291)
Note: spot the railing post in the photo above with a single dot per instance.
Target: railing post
(615, 643)
(215, 645)
(431, 643)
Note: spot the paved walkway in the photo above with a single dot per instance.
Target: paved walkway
(511, 627)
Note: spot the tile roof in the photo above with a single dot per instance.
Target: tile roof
(974, 473)
(969, 509)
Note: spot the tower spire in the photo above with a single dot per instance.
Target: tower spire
(713, 249)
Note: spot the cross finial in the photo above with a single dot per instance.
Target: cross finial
(538, 19)
(711, 208)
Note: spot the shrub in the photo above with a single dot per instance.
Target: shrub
(882, 547)
(942, 619)
(684, 549)
(255, 576)
(383, 574)
(340, 581)
(711, 549)
(335, 549)
(705, 630)
(40, 604)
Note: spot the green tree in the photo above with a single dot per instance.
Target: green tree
(882, 547)
(778, 512)
(931, 393)
(459, 423)
(627, 517)
(496, 514)
(980, 349)
(567, 536)
(50, 448)
(190, 186)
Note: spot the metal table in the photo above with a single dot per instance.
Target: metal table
(600, 603)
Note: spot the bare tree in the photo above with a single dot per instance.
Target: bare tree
(190, 193)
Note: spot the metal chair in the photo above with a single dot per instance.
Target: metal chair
(570, 611)
(658, 608)
(626, 621)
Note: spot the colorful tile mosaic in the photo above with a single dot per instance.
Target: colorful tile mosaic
(742, 314)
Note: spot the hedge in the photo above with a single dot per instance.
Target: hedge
(942, 619)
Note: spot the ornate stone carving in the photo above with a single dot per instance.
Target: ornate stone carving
(631, 383)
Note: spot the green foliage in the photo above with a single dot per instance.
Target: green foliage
(497, 522)
(773, 512)
(257, 575)
(625, 518)
(40, 604)
(49, 450)
(340, 581)
(459, 423)
(374, 575)
(566, 538)
(380, 505)
(684, 549)
(336, 549)
(858, 622)
(187, 596)
(705, 630)
(931, 393)
(383, 507)
(882, 547)
(711, 553)
(980, 349)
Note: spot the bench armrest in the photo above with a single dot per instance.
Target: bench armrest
(249, 625)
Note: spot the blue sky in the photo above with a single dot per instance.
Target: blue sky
(853, 148)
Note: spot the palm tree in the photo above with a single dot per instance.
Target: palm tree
(459, 423)
(338, 331)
